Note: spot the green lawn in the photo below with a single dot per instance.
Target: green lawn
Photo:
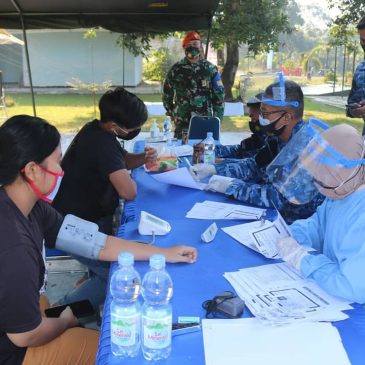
(70, 111)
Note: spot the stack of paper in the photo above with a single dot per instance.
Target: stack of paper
(215, 210)
(279, 294)
(248, 341)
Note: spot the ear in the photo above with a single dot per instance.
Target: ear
(32, 171)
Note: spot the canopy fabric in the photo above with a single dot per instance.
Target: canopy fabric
(123, 16)
(7, 38)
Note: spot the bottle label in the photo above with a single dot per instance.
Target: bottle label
(157, 332)
(209, 157)
(124, 329)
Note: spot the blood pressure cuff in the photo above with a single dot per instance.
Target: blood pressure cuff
(80, 237)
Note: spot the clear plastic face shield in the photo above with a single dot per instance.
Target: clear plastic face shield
(287, 171)
(278, 101)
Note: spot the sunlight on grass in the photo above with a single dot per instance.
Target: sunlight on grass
(69, 112)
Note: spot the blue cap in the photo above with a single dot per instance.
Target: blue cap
(157, 261)
(125, 259)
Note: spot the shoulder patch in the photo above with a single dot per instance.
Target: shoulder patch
(217, 81)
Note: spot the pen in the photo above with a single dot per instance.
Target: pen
(190, 167)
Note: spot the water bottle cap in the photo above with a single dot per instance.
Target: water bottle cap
(125, 259)
(210, 134)
(157, 261)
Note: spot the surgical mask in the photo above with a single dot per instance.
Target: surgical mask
(268, 126)
(51, 194)
(192, 52)
(128, 135)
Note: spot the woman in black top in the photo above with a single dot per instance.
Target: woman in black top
(30, 169)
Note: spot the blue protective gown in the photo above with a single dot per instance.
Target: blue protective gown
(337, 231)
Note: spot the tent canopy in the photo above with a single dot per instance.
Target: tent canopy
(123, 16)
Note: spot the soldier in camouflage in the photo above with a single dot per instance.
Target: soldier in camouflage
(193, 86)
(356, 100)
(251, 183)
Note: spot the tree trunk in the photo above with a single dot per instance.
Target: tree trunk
(220, 57)
(230, 68)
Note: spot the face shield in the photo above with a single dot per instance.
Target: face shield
(287, 173)
(278, 101)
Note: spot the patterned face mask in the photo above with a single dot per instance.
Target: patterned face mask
(192, 52)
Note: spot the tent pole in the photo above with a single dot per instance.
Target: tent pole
(26, 53)
(208, 39)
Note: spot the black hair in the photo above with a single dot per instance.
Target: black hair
(122, 107)
(24, 138)
(361, 24)
(293, 92)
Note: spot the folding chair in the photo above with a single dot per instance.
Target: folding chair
(199, 126)
(58, 262)
(2, 98)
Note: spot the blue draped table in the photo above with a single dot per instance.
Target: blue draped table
(194, 283)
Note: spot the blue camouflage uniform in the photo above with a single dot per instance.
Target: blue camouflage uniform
(357, 92)
(252, 184)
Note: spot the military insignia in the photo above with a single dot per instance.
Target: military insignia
(217, 82)
(205, 83)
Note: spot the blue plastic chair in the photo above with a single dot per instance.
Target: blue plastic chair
(199, 126)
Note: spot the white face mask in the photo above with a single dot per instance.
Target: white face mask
(50, 197)
(264, 121)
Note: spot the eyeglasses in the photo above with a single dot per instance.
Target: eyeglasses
(264, 114)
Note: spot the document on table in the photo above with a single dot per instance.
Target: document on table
(180, 177)
(260, 236)
(279, 294)
(248, 341)
(216, 210)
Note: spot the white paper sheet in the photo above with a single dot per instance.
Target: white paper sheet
(216, 210)
(248, 341)
(260, 236)
(180, 177)
(279, 294)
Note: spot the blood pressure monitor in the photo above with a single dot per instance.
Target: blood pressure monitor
(151, 225)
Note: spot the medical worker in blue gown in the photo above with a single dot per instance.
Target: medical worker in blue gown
(336, 230)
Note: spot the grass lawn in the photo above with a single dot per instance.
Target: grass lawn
(70, 111)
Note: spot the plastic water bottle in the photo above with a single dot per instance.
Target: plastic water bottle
(154, 131)
(125, 310)
(156, 310)
(167, 127)
(209, 146)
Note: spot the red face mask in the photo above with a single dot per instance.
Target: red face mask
(50, 195)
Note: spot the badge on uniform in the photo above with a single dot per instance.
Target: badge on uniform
(217, 82)
(205, 83)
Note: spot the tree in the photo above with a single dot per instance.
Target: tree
(350, 12)
(256, 23)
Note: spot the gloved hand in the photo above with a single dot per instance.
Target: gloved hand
(291, 251)
(218, 183)
(202, 170)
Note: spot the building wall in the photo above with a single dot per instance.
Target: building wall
(58, 56)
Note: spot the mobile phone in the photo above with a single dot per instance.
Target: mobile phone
(82, 308)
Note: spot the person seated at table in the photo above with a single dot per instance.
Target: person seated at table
(30, 156)
(248, 146)
(337, 229)
(246, 180)
(96, 177)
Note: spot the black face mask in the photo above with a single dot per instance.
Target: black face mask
(192, 52)
(130, 135)
(270, 128)
(255, 127)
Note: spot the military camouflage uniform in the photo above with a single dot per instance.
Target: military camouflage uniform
(192, 89)
(357, 92)
(253, 186)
